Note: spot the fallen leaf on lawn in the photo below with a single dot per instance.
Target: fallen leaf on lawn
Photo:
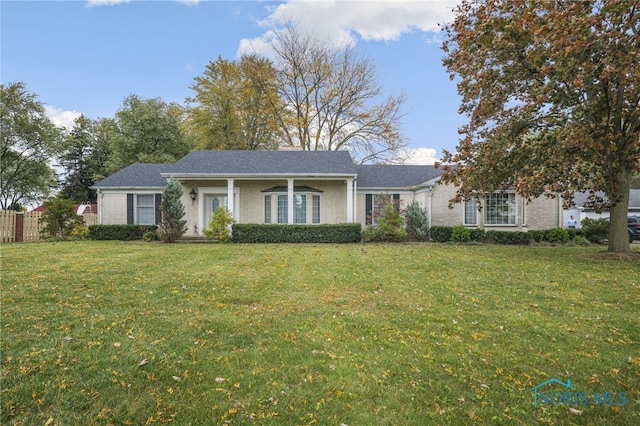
(117, 344)
(574, 411)
(143, 362)
(220, 379)
(49, 421)
(176, 378)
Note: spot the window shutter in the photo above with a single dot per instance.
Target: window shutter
(129, 209)
(368, 208)
(158, 212)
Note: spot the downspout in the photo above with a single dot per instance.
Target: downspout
(355, 199)
(430, 192)
(99, 206)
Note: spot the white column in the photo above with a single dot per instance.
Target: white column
(290, 201)
(230, 200)
(349, 200)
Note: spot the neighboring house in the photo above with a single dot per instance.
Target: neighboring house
(84, 208)
(303, 187)
(581, 209)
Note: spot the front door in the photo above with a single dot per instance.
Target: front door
(212, 203)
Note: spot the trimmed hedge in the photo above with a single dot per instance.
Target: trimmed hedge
(259, 233)
(508, 237)
(119, 232)
(441, 234)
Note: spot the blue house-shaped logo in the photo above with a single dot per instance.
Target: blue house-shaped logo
(552, 380)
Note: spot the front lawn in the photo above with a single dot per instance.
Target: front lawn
(361, 334)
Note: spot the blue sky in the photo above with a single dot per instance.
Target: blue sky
(87, 56)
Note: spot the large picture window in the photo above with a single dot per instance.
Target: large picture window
(302, 213)
(501, 209)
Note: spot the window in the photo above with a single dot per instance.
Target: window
(316, 209)
(267, 209)
(375, 204)
(299, 208)
(301, 195)
(501, 209)
(145, 209)
(470, 213)
(283, 213)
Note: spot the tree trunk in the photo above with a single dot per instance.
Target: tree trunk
(618, 227)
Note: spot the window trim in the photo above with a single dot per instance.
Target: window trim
(282, 213)
(467, 207)
(511, 215)
(137, 206)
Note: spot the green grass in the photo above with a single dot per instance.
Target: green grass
(133, 333)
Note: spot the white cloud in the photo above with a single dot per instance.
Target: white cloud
(91, 3)
(344, 21)
(419, 156)
(61, 118)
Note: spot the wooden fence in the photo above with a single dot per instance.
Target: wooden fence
(17, 226)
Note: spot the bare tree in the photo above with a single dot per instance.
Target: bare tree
(334, 99)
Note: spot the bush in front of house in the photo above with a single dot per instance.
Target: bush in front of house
(508, 237)
(477, 234)
(275, 233)
(60, 219)
(417, 222)
(460, 234)
(389, 225)
(220, 225)
(119, 232)
(441, 234)
(595, 230)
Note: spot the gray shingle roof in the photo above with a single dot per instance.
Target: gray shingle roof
(395, 176)
(580, 198)
(264, 163)
(135, 176)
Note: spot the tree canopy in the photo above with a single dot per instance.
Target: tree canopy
(234, 106)
(82, 154)
(334, 99)
(147, 131)
(551, 90)
(28, 142)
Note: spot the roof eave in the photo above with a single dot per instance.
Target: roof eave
(258, 175)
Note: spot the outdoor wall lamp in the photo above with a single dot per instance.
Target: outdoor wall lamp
(193, 195)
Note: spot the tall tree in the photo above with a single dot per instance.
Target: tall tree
(234, 106)
(334, 99)
(29, 140)
(552, 94)
(82, 157)
(147, 131)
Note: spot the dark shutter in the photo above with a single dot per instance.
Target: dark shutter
(396, 201)
(129, 209)
(368, 208)
(158, 212)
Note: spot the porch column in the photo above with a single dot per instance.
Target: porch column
(230, 200)
(349, 200)
(290, 201)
